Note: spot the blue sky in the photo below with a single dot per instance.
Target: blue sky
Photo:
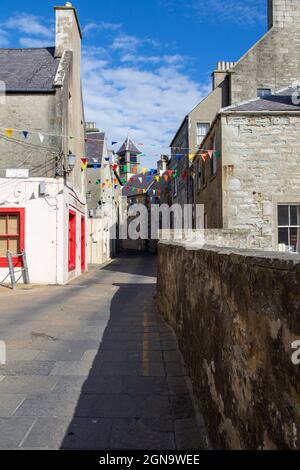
(146, 63)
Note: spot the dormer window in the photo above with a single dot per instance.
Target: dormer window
(263, 92)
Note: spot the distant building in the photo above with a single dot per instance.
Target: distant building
(146, 189)
(42, 185)
(129, 159)
(103, 196)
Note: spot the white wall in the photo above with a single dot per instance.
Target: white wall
(46, 227)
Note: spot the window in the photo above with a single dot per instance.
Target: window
(11, 235)
(289, 227)
(202, 129)
(262, 92)
(133, 159)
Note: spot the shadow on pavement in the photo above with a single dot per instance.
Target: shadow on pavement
(131, 266)
(135, 396)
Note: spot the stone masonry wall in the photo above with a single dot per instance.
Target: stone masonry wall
(235, 315)
(273, 62)
(261, 169)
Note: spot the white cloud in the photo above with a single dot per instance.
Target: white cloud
(175, 60)
(125, 42)
(243, 12)
(148, 104)
(29, 24)
(4, 39)
(92, 26)
(33, 42)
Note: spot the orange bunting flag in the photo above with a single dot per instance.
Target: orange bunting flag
(166, 177)
(8, 132)
(203, 156)
(134, 170)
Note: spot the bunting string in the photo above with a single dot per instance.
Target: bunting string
(26, 133)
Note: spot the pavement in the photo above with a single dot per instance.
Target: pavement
(92, 365)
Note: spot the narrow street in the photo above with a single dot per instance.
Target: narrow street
(93, 366)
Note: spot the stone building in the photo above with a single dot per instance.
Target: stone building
(248, 171)
(129, 159)
(42, 185)
(271, 64)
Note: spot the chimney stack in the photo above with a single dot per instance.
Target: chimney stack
(68, 33)
(91, 127)
(220, 73)
(162, 163)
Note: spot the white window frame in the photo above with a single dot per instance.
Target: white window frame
(198, 136)
(289, 226)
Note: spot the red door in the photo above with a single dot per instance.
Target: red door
(72, 241)
(82, 244)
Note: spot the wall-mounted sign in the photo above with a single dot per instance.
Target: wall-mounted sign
(17, 173)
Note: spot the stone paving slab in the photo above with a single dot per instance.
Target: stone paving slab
(13, 430)
(27, 384)
(93, 366)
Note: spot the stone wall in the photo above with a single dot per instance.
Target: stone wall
(274, 61)
(235, 315)
(260, 161)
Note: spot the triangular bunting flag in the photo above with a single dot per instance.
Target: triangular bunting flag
(25, 134)
(210, 153)
(42, 137)
(8, 132)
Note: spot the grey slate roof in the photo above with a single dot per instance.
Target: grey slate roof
(28, 70)
(280, 101)
(128, 145)
(94, 146)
